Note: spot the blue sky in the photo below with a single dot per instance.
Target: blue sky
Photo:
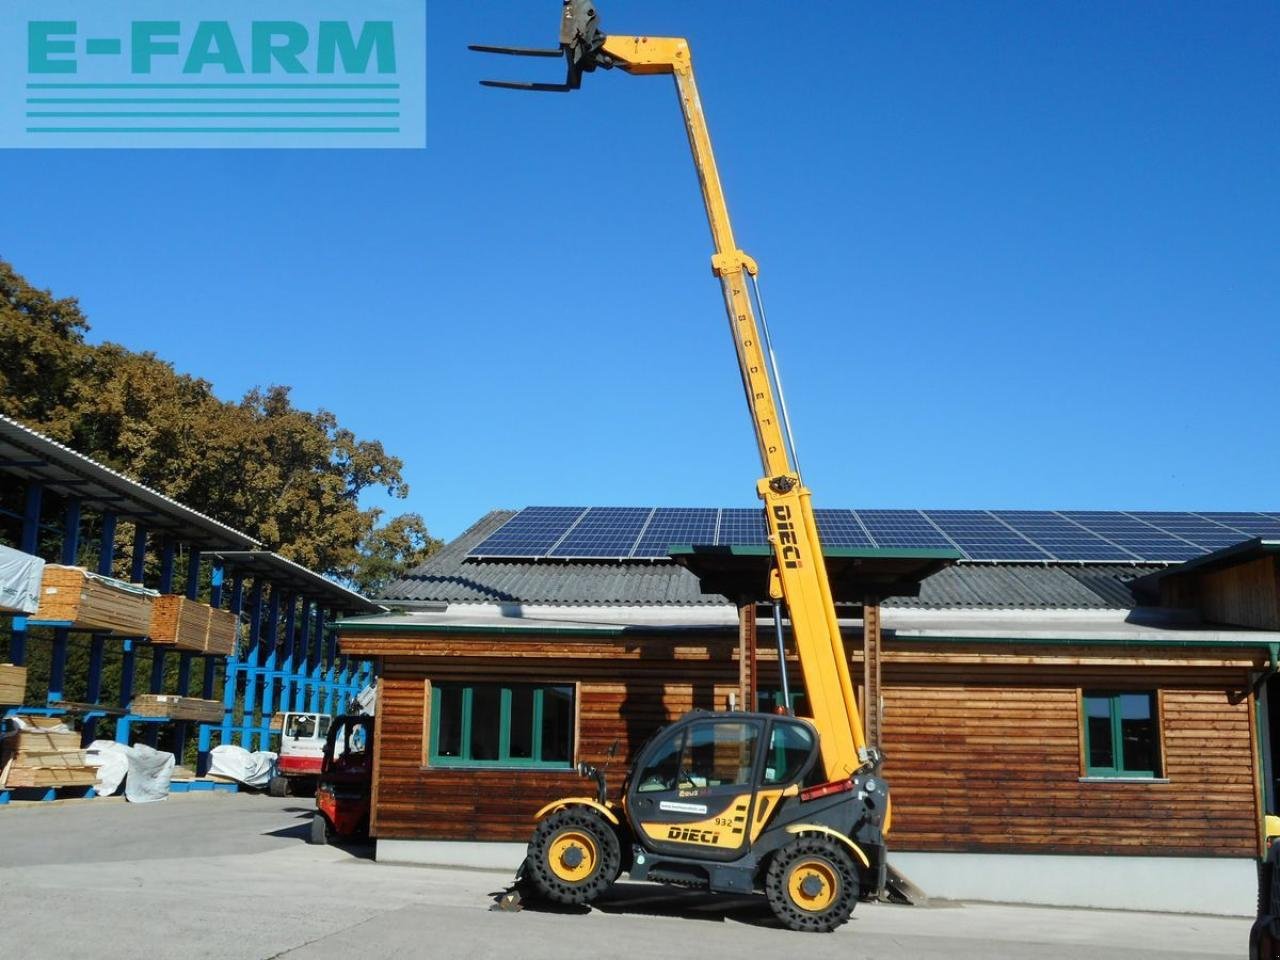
(1014, 255)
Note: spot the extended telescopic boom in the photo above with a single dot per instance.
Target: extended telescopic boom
(793, 533)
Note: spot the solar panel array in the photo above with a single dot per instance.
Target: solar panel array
(624, 533)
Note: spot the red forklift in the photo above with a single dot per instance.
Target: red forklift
(345, 782)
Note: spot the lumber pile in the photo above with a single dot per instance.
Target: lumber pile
(74, 597)
(43, 752)
(176, 708)
(13, 684)
(178, 622)
(224, 627)
(186, 624)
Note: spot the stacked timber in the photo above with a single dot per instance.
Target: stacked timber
(13, 684)
(179, 623)
(176, 708)
(186, 624)
(43, 752)
(75, 598)
(220, 638)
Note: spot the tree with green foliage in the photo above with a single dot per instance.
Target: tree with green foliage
(291, 478)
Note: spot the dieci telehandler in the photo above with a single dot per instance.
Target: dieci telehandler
(731, 802)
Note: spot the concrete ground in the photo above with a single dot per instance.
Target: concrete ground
(230, 877)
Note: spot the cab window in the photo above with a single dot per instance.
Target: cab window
(790, 745)
(719, 754)
(661, 770)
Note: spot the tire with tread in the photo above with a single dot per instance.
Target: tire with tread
(580, 821)
(278, 786)
(319, 834)
(821, 850)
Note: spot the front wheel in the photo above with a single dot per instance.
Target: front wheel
(573, 856)
(812, 884)
(319, 829)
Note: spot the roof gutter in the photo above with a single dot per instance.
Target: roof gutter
(1272, 648)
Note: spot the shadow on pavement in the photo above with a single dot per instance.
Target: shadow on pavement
(359, 849)
(643, 899)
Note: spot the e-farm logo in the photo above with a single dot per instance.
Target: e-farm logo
(221, 73)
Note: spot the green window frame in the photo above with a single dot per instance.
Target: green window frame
(510, 720)
(1118, 736)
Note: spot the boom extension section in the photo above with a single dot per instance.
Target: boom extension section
(801, 572)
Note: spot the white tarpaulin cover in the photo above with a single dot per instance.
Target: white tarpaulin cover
(237, 763)
(20, 576)
(146, 771)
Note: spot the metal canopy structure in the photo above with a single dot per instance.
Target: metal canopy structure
(742, 572)
(34, 457)
(298, 580)
(285, 657)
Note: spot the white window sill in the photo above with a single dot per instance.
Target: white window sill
(1123, 780)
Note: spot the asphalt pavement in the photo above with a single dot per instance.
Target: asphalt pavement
(231, 876)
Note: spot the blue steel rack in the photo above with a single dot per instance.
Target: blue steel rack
(290, 663)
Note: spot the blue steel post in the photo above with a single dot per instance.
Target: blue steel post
(302, 658)
(209, 681)
(205, 737)
(331, 672)
(29, 543)
(70, 552)
(230, 681)
(93, 692)
(129, 662)
(157, 653)
(287, 662)
(250, 660)
(184, 658)
(267, 663)
(316, 659)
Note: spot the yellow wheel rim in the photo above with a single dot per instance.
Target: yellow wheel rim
(813, 885)
(573, 856)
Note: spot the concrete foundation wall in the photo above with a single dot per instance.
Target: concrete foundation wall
(1225, 887)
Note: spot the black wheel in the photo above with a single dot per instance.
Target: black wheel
(278, 786)
(319, 829)
(573, 856)
(812, 884)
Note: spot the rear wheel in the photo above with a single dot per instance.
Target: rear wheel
(278, 786)
(573, 856)
(812, 884)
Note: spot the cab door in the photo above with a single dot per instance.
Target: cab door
(694, 787)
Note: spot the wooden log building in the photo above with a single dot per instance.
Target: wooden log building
(1063, 733)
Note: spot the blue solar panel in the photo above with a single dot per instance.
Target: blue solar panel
(530, 533)
(603, 532)
(671, 525)
(1063, 539)
(741, 527)
(1188, 526)
(1082, 535)
(840, 528)
(1135, 536)
(982, 537)
(903, 529)
(1250, 524)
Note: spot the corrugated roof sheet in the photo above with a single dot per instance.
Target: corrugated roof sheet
(449, 577)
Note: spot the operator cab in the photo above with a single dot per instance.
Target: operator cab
(708, 784)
